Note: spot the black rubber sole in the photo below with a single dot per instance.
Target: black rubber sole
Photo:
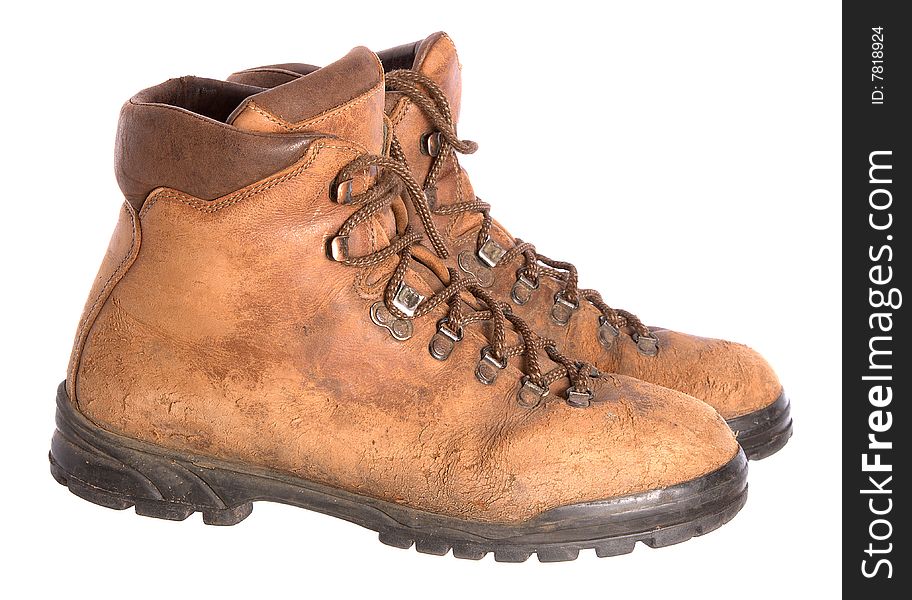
(764, 432)
(119, 472)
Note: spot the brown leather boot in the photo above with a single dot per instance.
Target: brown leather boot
(267, 326)
(423, 96)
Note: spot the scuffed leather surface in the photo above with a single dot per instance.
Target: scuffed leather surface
(436, 57)
(232, 335)
(122, 250)
(357, 79)
(731, 377)
(336, 99)
(269, 76)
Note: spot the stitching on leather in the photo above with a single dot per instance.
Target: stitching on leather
(120, 270)
(356, 101)
(268, 116)
(364, 288)
(469, 235)
(453, 220)
(210, 207)
(372, 233)
(455, 52)
(400, 110)
(209, 122)
(275, 70)
(450, 226)
(90, 315)
(345, 107)
(460, 193)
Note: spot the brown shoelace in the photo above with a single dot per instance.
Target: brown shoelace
(428, 96)
(393, 179)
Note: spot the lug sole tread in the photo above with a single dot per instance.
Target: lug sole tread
(438, 546)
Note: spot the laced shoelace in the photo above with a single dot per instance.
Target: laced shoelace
(401, 304)
(430, 98)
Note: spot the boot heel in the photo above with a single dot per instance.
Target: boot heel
(97, 466)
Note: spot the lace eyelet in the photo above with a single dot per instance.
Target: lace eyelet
(400, 329)
(443, 342)
(337, 248)
(407, 299)
(431, 143)
(489, 367)
(607, 333)
(342, 192)
(646, 344)
(523, 288)
(579, 399)
(531, 395)
(470, 264)
(491, 252)
(562, 309)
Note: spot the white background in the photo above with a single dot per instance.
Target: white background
(685, 156)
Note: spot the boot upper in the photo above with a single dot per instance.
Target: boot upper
(731, 377)
(220, 326)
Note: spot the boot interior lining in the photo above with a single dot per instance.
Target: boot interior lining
(207, 97)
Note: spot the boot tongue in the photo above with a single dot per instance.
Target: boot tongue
(344, 99)
(436, 58)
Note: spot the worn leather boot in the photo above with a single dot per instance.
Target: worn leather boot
(423, 97)
(267, 326)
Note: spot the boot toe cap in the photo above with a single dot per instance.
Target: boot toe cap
(732, 378)
(635, 437)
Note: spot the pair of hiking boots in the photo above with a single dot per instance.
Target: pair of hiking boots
(303, 301)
